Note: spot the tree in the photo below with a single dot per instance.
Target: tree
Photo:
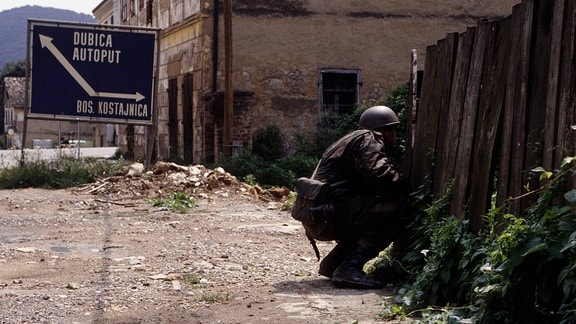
(14, 69)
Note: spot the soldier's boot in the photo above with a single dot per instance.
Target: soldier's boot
(350, 272)
(333, 259)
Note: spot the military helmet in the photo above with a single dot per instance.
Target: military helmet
(378, 116)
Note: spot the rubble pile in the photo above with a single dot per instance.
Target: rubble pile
(167, 177)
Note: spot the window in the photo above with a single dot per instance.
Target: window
(339, 91)
(9, 117)
(124, 10)
(132, 7)
(149, 11)
(339, 95)
(173, 117)
(188, 117)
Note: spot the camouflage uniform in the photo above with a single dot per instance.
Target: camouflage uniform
(369, 198)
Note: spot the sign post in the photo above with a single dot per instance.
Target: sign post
(89, 72)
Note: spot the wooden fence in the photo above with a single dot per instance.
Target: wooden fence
(496, 101)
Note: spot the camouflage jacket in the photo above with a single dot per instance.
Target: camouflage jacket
(357, 164)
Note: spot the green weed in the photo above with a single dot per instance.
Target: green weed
(179, 202)
(217, 297)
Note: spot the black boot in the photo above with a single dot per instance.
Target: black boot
(351, 274)
(333, 259)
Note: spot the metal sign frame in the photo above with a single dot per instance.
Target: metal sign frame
(91, 72)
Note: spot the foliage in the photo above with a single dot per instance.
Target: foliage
(301, 165)
(249, 179)
(14, 69)
(269, 169)
(268, 143)
(397, 101)
(519, 269)
(216, 297)
(269, 165)
(190, 279)
(254, 169)
(66, 171)
(178, 202)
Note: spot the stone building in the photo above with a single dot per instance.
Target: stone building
(291, 63)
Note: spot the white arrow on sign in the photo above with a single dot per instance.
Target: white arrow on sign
(46, 42)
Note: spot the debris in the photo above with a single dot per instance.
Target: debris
(133, 170)
(27, 249)
(168, 177)
(73, 286)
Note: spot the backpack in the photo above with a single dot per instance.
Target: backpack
(313, 206)
(313, 209)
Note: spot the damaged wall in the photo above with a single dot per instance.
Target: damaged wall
(279, 51)
(280, 46)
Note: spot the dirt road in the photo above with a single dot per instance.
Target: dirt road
(67, 256)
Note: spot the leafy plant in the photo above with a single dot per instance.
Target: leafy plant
(190, 279)
(519, 269)
(284, 172)
(268, 143)
(250, 179)
(179, 202)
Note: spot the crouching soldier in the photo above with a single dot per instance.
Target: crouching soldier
(366, 208)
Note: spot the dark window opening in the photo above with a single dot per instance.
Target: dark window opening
(339, 92)
(173, 117)
(132, 7)
(149, 11)
(339, 95)
(188, 117)
(124, 12)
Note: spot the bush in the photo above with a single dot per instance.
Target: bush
(65, 172)
(268, 143)
(519, 269)
(299, 164)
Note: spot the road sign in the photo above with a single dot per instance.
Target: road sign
(91, 72)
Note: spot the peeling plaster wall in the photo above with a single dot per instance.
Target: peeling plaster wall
(182, 52)
(279, 47)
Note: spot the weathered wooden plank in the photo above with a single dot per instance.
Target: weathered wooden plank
(552, 97)
(491, 103)
(509, 87)
(565, 135)
(514, 145)
(536, 96)
(467, 133)
(426, 120)
(449, 56)
(446, 154)
(412, 108)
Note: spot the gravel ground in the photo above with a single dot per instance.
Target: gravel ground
(90, 255)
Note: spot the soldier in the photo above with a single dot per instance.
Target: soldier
(369, 208)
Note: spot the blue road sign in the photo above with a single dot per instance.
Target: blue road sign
(91, 72)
